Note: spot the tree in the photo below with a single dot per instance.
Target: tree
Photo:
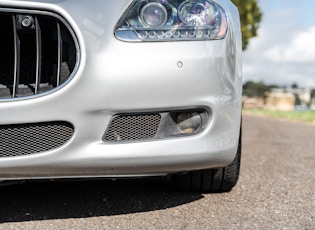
(250, 19)
(256, 89)
(294, 86)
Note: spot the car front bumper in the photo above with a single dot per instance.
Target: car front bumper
(116, 77)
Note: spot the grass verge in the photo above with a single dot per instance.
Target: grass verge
(303, 116)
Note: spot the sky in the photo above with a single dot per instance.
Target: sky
(284, 51)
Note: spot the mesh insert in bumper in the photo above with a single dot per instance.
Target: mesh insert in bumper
(132, 127)
(26, 139)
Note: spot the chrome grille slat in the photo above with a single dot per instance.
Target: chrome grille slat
(38, 55)
(44, 53)
(16, 58)
(59, 53)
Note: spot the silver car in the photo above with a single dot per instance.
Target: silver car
(121, 88)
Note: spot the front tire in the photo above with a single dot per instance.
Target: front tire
(211, 180)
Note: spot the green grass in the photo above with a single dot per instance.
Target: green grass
(304, 116)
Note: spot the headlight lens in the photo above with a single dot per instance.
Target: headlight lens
(161, 20)
(196, 13)
(153, 15)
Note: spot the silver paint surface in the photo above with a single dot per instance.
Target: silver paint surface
(120, 77)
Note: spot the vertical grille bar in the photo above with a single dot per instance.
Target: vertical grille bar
(38, 55)
(16, 59)
(59, 53)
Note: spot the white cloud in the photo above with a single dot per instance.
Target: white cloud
(303, 47)
(300, 49)
(284, 51)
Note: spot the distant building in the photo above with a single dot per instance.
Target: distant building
(280, 101)
(303, 94)
(253, 103)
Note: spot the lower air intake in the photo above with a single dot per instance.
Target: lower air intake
(132, 128)
(27, 139)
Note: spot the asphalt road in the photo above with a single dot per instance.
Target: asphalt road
(276, 190)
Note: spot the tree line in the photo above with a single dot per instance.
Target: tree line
(250, 16)
(257, 89)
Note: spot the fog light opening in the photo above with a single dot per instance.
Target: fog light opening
(189, 122)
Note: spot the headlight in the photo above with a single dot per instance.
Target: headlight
(162, 20)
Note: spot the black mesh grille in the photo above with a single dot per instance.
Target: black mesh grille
(38, 53)
(26, 139)
(132, 127)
